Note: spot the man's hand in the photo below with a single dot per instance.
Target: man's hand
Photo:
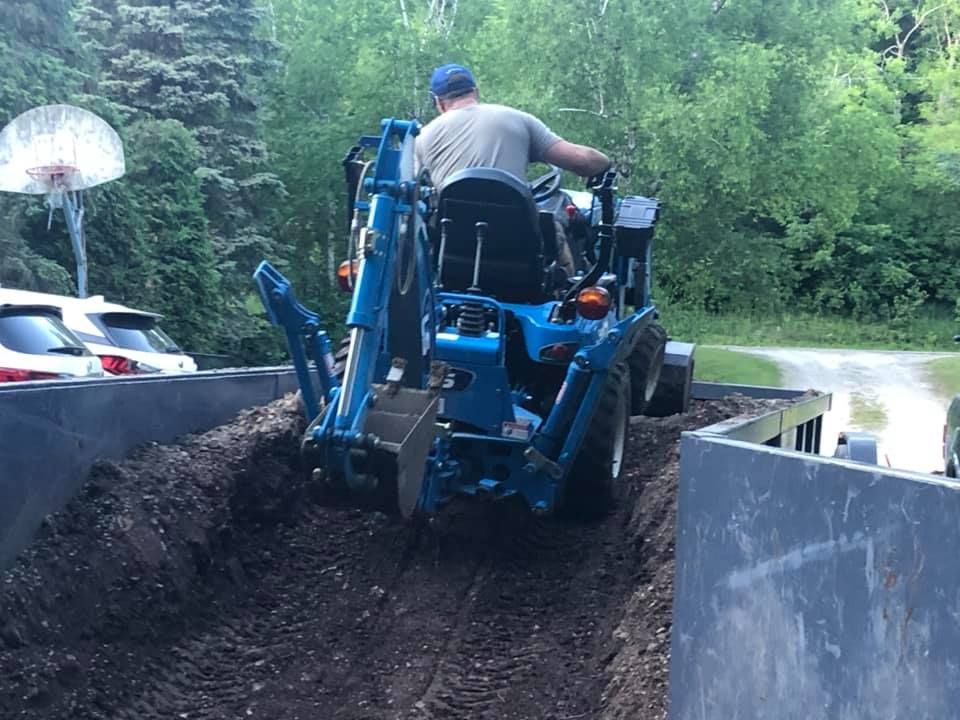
(602, 179)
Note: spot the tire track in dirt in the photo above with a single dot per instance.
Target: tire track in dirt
(507, 649)
(530, 644)
(504, 639)
(297, 629)
(454, 644)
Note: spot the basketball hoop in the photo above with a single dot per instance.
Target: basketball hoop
(59, 151)
(57, 148)
(52, 176)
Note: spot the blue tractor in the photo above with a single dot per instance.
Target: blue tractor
(473, 367)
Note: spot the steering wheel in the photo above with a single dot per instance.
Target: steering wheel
(547, 184)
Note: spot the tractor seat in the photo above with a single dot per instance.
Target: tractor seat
(512, 263)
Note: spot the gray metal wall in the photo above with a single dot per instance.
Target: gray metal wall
(717, 391)
(813, 589)
(52, 432)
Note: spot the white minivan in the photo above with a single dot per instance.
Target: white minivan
(36, 345)
(127, 341)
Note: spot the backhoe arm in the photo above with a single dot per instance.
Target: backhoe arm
(378, 426)
(299, 325)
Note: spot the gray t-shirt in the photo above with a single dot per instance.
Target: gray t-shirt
(482, 135)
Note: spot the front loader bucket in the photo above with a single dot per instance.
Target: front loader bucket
(404, 419)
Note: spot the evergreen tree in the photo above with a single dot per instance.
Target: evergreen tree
(200, 62)
(184, 280)
(39, 55)
(38, 65)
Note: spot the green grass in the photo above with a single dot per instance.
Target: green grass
(798, 330)
(867, 413)
(729, 366)
(944, 375)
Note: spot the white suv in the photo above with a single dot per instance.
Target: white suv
(36, 345)
(126, 340)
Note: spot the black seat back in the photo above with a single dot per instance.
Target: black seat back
(511, 263)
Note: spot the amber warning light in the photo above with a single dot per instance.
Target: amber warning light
(593, 303)
(346, 279)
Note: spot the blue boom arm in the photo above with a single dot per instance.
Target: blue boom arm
(298, 324)
(381, 414)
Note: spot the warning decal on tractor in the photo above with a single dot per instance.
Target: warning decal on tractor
(516, 430)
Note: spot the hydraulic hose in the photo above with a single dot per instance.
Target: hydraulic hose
(354, 237)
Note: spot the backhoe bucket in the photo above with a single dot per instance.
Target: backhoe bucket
(404, 419)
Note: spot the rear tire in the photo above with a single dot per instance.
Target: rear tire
(339, 364)
(646, 366)
(340, 357)
(674, 392)
(595, 476)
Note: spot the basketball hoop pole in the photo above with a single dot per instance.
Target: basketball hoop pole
(73, 212)
(56, 178)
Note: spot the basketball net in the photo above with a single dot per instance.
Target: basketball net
(55, 178)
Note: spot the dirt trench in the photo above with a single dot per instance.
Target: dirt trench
(203, 581)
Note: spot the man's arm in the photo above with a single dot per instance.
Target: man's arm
(584, 161)
(547, 146)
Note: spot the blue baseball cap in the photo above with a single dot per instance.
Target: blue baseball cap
(451, 79)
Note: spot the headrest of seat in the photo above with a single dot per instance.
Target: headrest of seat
(488, 185)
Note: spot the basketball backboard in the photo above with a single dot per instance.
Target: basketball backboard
(58, 148)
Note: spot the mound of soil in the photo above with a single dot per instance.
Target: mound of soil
(202, 580)
(119, 566)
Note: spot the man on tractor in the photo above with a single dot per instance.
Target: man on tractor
(468, 133)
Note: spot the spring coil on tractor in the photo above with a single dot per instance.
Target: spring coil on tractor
(472, 319)
(471, 316)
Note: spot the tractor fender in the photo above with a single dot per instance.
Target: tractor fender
(678, 354)
(675, 389)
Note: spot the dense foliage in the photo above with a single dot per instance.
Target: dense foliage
(807, 153)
